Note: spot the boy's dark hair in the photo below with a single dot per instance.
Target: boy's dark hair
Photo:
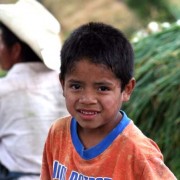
(100, 44)
(9, 38)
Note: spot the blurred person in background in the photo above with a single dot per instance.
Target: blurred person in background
(30, 94)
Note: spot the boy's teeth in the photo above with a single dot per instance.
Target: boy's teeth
(87, 112)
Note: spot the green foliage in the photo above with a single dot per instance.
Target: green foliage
(160, 10)
(155, 102)
(2, 73)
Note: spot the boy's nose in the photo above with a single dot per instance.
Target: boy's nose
(88, 98)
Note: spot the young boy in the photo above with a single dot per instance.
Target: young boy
(98, 141)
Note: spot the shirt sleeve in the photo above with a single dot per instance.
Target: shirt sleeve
(155, 169)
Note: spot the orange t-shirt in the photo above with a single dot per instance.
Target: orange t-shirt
(129, 156)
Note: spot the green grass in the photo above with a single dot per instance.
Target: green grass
(155, 102)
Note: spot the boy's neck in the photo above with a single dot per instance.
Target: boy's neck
(92, 137)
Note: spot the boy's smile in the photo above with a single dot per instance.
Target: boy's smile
(93, 96)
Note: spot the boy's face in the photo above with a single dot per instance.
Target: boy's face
(93, 96)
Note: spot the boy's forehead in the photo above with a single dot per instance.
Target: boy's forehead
(91, 74)
(85, 68)
(86, 61)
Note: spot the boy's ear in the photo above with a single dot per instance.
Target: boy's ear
(129, 89)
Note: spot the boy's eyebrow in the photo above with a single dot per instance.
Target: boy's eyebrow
(74, 81)
(103, 83)
(107, 83)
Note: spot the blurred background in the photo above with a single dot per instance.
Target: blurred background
(128, 15)
(153, 27)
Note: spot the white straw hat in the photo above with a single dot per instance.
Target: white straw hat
(36, 26)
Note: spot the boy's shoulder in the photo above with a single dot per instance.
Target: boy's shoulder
(61, 124)
(59, 132)
(144, 153)
(134, 140)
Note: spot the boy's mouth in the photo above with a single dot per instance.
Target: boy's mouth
(85, 112)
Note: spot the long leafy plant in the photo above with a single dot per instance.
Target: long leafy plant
(155, 102)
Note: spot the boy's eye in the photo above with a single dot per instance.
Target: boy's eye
(103, 88)
(75, 86)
